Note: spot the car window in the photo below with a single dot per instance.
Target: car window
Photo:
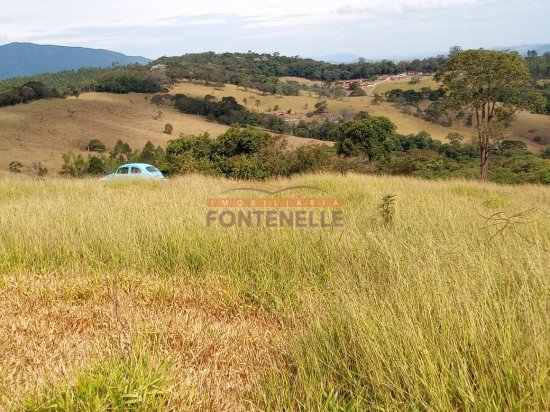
(122, 171)
(152, 169)
(135, 170)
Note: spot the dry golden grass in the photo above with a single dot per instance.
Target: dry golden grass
(436, 311)
(405, 84)
(301, 80)
(42, 131)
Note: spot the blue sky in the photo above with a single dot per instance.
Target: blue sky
(369, 28)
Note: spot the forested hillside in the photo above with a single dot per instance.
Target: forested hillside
(27, 59)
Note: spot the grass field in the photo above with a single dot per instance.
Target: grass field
(404, 84)
(117, 297)
(43, 130)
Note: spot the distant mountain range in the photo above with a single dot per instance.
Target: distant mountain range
(522, 49)
(338, 58)
(27, 59)
(352, 58)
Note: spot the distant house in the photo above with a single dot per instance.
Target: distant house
(399, 76)
(347, 83)
(158, 67)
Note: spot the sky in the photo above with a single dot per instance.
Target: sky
(368, 28)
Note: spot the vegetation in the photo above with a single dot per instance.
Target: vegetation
(15, 166)
(168, 128)
(116, 296)
(373, 138)
(95, 145)
(120, 79)
(369, 145)
(539, 66)
(494, 85)
(434, 311)
(134, 384)
(26, 93)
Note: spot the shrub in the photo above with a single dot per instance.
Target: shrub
(95, 166)
(455, 138)
(358, 93)
(15, 167)
(321, 107)
(168, 128)
(237, 141)
(73, 165)
(95, 145)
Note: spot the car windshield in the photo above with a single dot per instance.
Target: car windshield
(152, 169)
(122, 171)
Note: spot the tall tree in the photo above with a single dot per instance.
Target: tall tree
(453, 50)
(494, 85)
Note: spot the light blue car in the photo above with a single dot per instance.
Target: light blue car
(133, 170)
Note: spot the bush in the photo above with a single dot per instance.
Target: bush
(95, 145)
(321, 107)
(73, 165)
(311, 158)
(168, 128)
(95, 166)
(237, 141)
(15, 167)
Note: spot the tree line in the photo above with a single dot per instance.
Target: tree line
(123, 79)
(369, 145)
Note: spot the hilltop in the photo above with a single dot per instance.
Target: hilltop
(27, 59)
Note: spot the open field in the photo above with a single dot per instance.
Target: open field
(404, 84)
(301, 80)
(118, 294)
(43, 130)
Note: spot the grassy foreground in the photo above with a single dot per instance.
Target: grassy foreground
(118, 297)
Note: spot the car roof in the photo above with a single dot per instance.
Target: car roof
(136, 165)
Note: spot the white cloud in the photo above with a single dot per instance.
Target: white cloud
(400, 6)
(161, 27)
(57, 15)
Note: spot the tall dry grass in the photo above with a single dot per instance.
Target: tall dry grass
(438, 311)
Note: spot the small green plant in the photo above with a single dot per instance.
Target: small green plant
(386, 209)
(135, 384)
